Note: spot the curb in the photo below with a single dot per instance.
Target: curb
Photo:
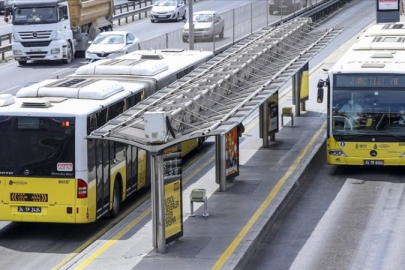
(253, 240)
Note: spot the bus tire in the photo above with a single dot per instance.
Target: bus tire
(22, 62)
(116, 201)
(200, 146)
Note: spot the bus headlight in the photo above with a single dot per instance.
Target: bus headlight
(337, 152)
(17, 52)
(55, 51)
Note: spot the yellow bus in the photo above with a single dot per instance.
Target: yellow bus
(49, 172)
(366, 100)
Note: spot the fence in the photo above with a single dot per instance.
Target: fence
(239, 23)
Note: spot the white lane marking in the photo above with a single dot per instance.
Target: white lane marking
(63, 69)
(9, 89)
(12, 63)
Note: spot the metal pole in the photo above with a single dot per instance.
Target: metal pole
(161, 205)
(154, 198)
(233, 26)
(218, 163)
(265, 124)
(296, 93)
(213, 34)
(251, 18)
(190, 25)
(222, 179)
(267, 8)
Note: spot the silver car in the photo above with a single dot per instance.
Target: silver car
(168, 10)
(207, 25)
(108, 45)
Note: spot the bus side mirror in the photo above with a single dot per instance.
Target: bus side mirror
(320, 95)
(5, 19)
(319, 98)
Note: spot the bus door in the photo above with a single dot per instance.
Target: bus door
(103, 177)
(132, 168)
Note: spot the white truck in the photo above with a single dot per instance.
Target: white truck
(49, 30)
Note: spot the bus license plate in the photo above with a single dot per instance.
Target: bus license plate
(29, 209)
(374, 162)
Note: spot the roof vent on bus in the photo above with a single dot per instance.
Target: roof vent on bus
(36, 103)
(373, 65)
(173, 50)
(152, 56)
(100, 90)
(6, 99)
(382, 55)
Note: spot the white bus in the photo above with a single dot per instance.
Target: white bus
(49, 172)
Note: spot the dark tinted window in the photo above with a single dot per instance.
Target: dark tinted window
(37, 146)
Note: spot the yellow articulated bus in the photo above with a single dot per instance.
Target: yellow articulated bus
(49, 172)
(366, 100)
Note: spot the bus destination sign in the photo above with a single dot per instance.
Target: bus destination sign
(369, 80)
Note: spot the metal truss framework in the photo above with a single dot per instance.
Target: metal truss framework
(219, 95)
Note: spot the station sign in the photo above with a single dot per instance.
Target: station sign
(388, 11)
(388, 5)
(304, 83)
(272, 113)
(173, 206)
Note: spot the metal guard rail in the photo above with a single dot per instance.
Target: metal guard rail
(315, 11)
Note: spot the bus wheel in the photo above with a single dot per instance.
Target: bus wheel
(200, 144)
(116, 200)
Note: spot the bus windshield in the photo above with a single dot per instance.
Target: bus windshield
(37, 146)
(368, 112)
(35, 15)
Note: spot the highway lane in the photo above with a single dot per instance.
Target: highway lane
(40, 246)
(344, 217)
(13, 77)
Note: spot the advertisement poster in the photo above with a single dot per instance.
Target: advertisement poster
(304, 83)
(173, 210)
(272, 117)
(172, 176)
(388, 4)
(232, 153)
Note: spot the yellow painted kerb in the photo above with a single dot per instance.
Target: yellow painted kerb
(232, 247)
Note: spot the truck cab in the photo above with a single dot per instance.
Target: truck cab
(41, 31)
(50, 30)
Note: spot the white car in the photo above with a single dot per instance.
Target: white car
(168, 10)
(207, 24)
(111, 44)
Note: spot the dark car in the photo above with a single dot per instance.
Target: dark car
(285, 7)
(2, 11)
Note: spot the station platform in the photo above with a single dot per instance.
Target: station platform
(237, 217)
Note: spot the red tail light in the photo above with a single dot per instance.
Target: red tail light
(81, 189)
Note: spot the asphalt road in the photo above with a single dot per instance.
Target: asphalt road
(42, 246)
(13, 77)
(343, 217)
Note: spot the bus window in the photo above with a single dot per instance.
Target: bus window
(115, 110)
(91, 159)
(91, 123)
(102, 117)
